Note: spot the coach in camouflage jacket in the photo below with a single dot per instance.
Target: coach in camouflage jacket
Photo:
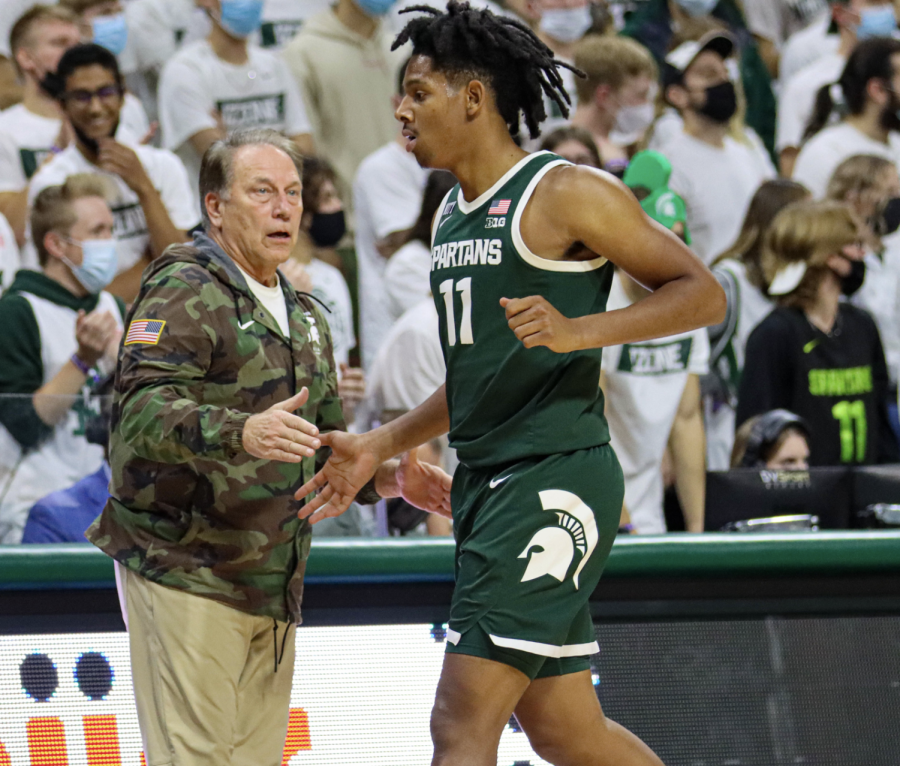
(190, 508)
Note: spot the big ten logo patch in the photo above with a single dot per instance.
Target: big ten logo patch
(69, 702)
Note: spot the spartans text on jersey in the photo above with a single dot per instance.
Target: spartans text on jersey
(469, 252)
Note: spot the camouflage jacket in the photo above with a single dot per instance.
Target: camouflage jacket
(189, 508)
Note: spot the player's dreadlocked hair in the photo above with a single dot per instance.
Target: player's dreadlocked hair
(501, 52)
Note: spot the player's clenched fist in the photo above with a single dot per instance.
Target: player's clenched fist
(278, 434)
(536, 323)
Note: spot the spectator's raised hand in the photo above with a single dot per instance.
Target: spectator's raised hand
(124, 162)
(94, 333)
(278, 434)
(351, 388)
(151, 132)
(295, 273)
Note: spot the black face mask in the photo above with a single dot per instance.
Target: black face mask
(721, 102)
(327, 229)
(888, 220)
(854, 280)
(51, 85)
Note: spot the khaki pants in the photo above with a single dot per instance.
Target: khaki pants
(204, 679)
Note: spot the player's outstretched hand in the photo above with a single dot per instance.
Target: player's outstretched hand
(536, 323)
(424, 485)
(345, 473)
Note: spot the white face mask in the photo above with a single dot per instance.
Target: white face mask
(697, 8)
(631, 123)
(566, 24)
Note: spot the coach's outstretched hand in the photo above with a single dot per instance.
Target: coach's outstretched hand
(352, 464)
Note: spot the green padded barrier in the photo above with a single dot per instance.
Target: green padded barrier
(709, 555)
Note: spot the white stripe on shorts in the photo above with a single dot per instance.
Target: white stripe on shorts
(544, 650)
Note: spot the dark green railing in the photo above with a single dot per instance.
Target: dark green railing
(709, 555)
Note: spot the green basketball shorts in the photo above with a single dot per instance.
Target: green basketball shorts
(532, 540)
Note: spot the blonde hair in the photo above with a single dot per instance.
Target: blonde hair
(21, 30)
(79, 6)
(856, 175)
(610, 61)
(807, 232)
(54, 210)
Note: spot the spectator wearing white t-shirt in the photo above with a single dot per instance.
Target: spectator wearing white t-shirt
(715, 173)
(806, 45)
(868, 90)
(156, 30)
(222, 83)
(855, 20)
(387, 198)
(406, 278)
(772, 22)
(152, 202)
(29, 131)
(652, 394)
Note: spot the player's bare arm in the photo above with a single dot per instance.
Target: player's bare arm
(579, 214)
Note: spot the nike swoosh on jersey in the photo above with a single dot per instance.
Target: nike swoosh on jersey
(811, 345)
(498, 482)
(245, 326)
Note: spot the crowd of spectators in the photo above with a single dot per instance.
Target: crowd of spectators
(764, 133)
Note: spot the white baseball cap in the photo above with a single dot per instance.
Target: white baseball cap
(683, 56)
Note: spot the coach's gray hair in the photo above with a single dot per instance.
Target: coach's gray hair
(217, 167)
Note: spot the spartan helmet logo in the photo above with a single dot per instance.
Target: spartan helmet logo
(577, 529)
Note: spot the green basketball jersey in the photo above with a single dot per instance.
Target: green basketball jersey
(508, 402)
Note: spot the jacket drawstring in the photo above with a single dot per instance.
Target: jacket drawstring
(279, 657)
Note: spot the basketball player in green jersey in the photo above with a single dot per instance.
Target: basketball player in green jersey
(521, 265)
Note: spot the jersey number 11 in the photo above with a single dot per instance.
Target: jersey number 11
(464, 287)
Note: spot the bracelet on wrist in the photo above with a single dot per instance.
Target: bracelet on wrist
(626, 529)
(83, 367)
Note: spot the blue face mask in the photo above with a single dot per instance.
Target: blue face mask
(111, 32)
(566, 24)
(876, 22)
(99, 263)
(241, 18)
(375, 7)
(697, 7)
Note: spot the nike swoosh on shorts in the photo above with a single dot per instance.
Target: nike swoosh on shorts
(497, 482)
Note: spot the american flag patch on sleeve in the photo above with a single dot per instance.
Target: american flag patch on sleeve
(145, 331)
(500, 207)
